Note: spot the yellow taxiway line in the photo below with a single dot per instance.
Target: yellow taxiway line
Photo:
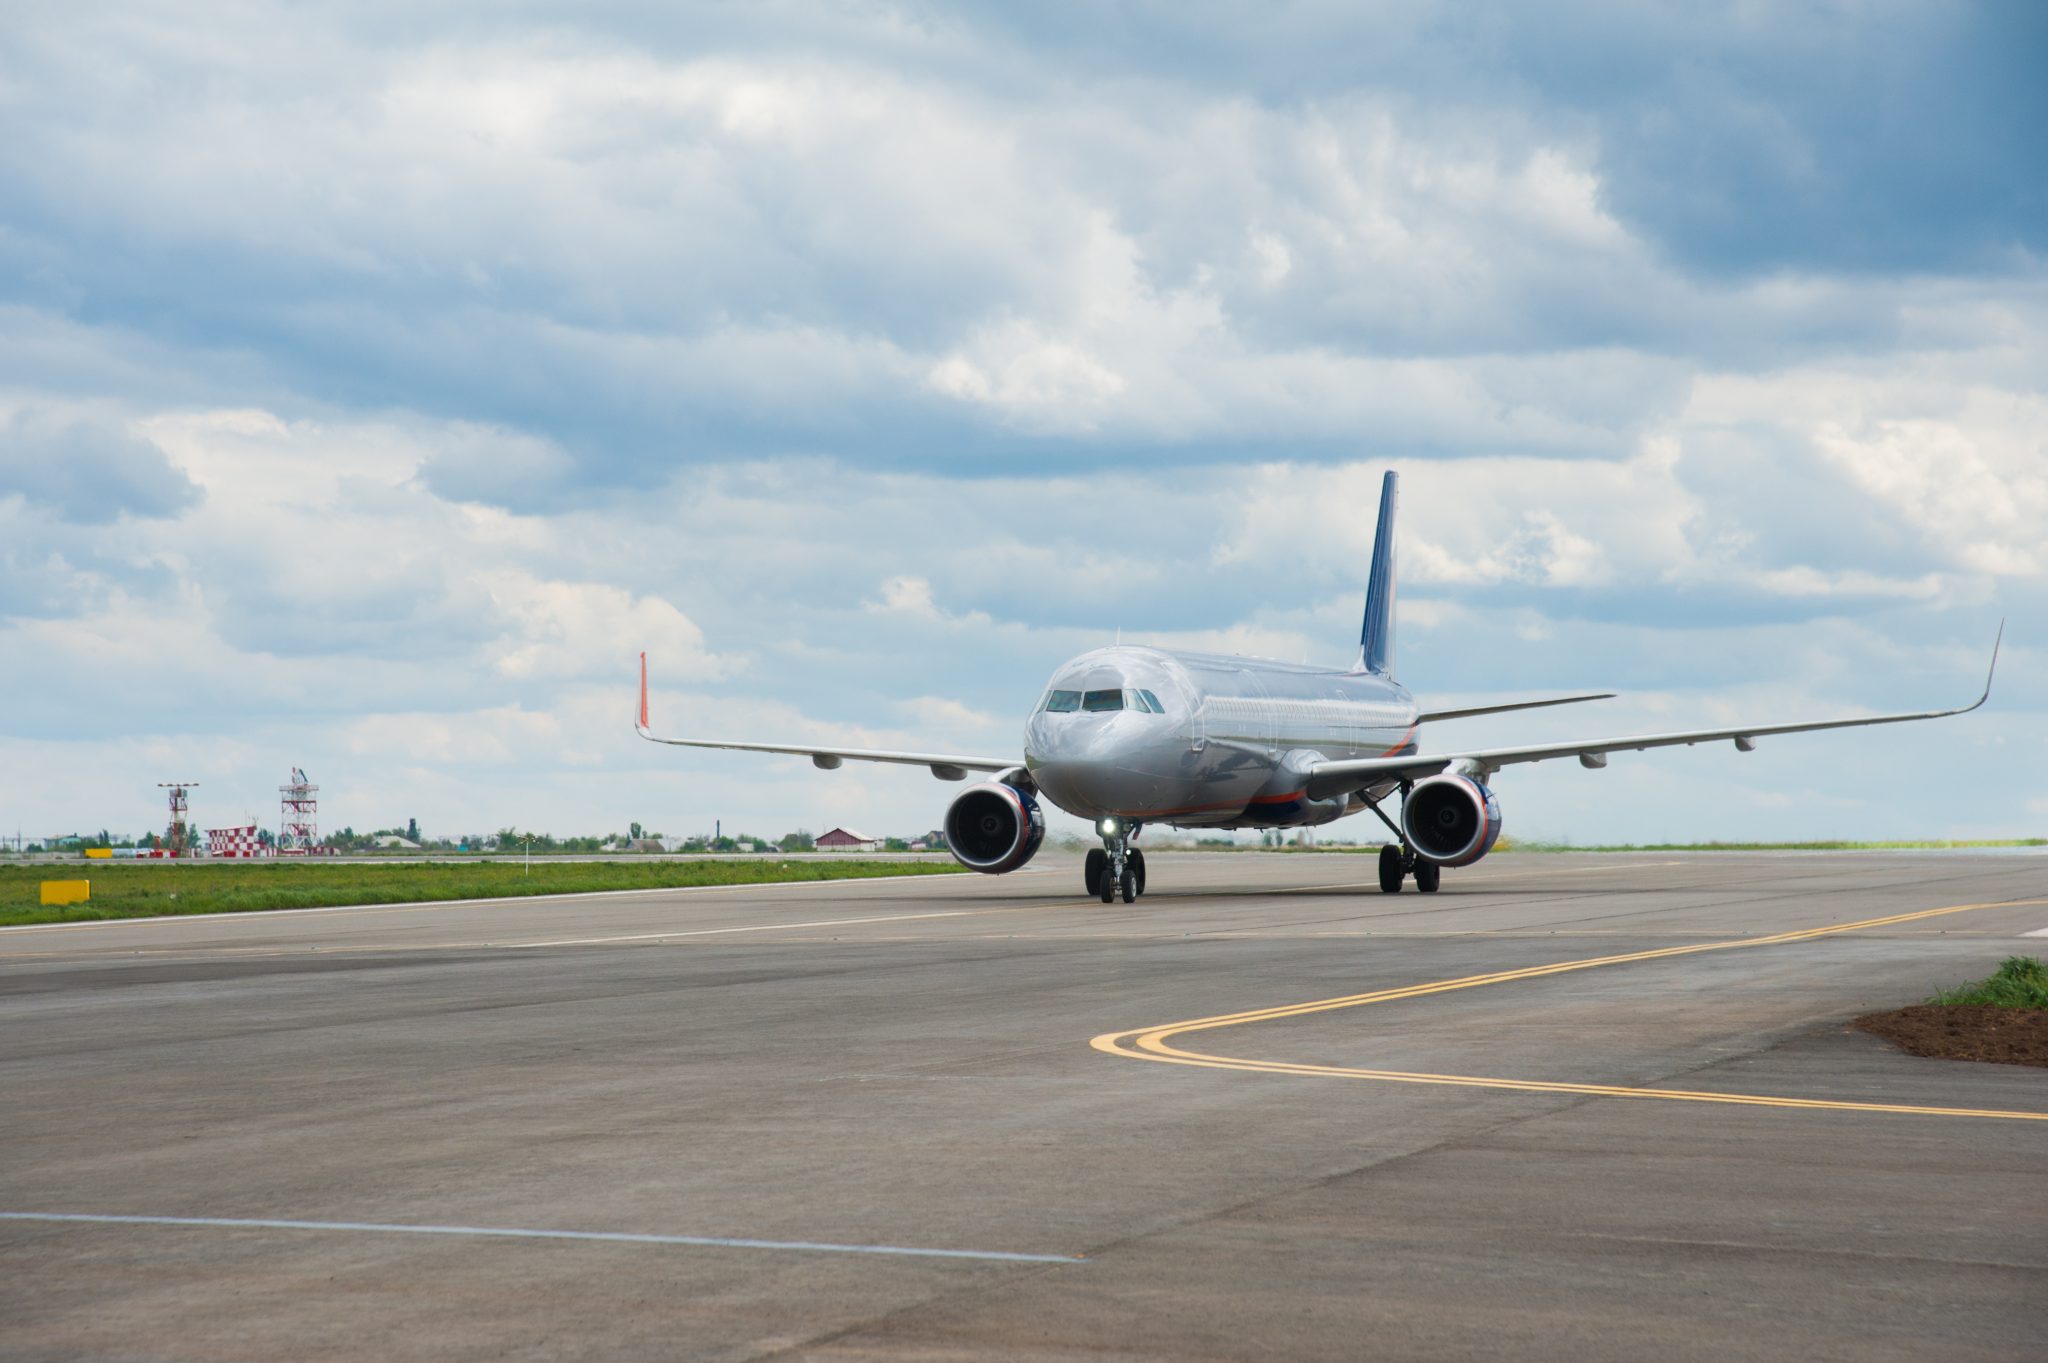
(1152, 1043)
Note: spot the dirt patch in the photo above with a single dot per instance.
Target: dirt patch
(2003, 1036)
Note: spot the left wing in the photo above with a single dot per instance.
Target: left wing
(1339, 778)
(945, 766)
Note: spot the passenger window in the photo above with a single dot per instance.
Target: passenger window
(1153, 701)
(1098, 701)
(1062, 702)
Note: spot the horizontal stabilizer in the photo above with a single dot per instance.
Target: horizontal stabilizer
(1429, 716)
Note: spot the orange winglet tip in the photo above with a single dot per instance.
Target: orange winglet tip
(643, 690)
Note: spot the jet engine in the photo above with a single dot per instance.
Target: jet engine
(993, 827)
(1451, 820)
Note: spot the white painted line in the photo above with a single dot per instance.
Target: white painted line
(2037, 932)
(613, 1237)
(756, 927)
(429, 904)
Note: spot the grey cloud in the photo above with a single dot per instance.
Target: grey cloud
(88, 470)
(507, 468)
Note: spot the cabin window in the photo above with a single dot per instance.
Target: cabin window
(1062, 702)
(1096, 702)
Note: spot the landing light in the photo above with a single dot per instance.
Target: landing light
(1107, 828)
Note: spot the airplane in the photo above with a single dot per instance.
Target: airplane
(1130, 736)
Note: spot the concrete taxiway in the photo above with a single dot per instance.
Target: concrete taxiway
(1572, 1106)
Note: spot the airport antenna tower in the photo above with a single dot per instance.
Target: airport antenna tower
(178, 839)
(298, 816)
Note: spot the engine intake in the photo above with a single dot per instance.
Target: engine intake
(994, 828)
(1451, 820)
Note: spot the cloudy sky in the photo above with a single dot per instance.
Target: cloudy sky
(377, 380)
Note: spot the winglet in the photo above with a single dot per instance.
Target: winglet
(1992, 671)
(643, 693)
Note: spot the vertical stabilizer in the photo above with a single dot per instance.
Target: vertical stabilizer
(1376, 639)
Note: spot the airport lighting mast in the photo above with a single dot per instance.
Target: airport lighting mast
(178, 839)
(298, 816)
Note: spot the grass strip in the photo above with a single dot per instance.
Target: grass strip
(2020, 982)
(178, 887)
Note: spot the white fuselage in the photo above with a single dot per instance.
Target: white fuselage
(1195, 739)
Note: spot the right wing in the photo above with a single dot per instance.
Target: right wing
(945, 766)
(1341, 778)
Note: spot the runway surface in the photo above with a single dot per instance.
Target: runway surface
(1572, 1106)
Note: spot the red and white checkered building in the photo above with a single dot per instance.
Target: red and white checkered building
(234, 842)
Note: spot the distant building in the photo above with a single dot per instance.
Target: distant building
(846, 840)
(394, 842)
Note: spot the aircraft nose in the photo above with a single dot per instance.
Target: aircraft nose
(1095, 767)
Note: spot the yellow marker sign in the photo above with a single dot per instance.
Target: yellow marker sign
(99, 853)
(67, 891)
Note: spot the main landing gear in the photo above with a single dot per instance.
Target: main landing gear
(1397, 863)
(1116, 868)
(1398, 860)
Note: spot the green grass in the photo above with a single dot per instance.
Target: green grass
(1523, 845)
(197, 887)
(2021, 982)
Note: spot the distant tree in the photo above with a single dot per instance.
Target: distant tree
(895, 845)
(633, 830)
(799, 841)
(412, 830)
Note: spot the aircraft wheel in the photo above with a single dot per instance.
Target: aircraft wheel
(1107, 892)
(1094, 869)
(1428, 875)
(1390, 869)
(1130, 884)
(1137, 863)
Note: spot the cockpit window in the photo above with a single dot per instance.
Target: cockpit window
(1098, 701)
(1153, 701)
(1062, 702)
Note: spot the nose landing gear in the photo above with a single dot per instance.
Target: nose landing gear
(1115, 869)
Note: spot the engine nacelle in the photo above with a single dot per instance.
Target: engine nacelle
(993, 828)
(1451, 820)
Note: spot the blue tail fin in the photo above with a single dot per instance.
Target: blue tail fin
(1376, 640)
